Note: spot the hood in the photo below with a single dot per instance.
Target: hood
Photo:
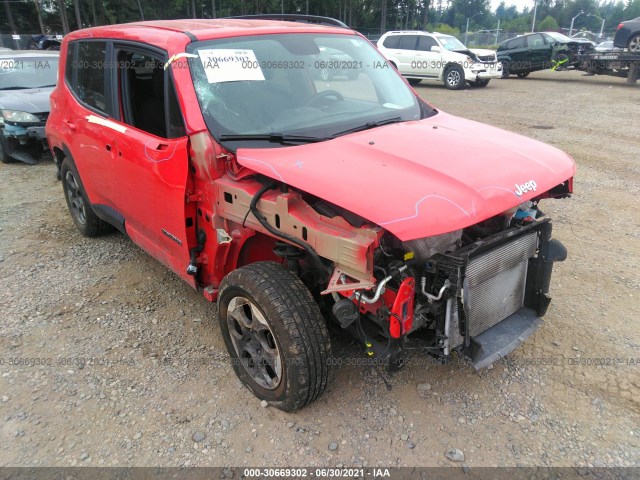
(420, 178)
(482, 52)
(33, 100)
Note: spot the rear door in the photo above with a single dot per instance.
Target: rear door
(149, 157)
(406, 53)
(84, 118)
(519, 53)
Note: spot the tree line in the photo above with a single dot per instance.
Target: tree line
(368, 16)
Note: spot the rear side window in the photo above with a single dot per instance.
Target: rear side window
(517, 43)
(85, 74)
(391, 41)
(408, 42)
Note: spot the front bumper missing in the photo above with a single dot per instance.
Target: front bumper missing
(25, 144)
(501, 339)
(503, 292)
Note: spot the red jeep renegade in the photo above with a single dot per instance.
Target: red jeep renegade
(284, 169)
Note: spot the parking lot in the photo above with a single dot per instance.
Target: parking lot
(110, 359)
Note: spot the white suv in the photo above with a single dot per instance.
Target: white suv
(435, 56)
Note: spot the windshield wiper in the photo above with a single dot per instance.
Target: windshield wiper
(369, 126)
(271, 137)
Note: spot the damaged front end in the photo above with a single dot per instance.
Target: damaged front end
(24, 137)
(479, 291)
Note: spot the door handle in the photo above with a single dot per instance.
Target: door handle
(108, 147)
(71, 125)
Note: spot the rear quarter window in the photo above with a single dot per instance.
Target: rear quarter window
(391, 41)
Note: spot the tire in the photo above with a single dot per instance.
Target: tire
(4, 156)
(326, 74)
(414, 81)
(282, 352)
(505, 70)
(481, 83)
(634, 44)
(454, 77)
(85, 219)
(523, 74)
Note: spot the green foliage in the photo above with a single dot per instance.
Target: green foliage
(443, 28)
(548, 24)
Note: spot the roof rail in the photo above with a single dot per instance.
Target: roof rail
(292, 17)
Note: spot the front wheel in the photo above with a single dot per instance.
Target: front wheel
(275, 334)
(326, 74)
(523, 74)
(505, 70)
(454, 77)
(414, 81)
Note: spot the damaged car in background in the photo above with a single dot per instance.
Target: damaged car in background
(27, 79)
(297, 203)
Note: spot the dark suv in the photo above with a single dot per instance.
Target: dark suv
(540, 51)
(298, 202)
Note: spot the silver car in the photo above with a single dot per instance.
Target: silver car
(27, 78)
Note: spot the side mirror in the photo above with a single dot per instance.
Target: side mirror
(435, 48)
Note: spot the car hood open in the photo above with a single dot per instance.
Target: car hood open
(419, 178)
(33, 100)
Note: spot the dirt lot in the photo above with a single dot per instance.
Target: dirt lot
(157, 376)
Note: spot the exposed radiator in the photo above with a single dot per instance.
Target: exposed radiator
(495, 286)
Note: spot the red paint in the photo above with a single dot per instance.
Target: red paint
(414, 179)
(403, 304)
(419, 178)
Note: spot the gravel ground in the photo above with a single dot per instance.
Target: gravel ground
(157, 389)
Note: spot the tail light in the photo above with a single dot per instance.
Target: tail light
(620, 25)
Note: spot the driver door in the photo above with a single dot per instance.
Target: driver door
(429, 62)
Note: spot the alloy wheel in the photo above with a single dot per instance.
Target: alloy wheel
(254, 342)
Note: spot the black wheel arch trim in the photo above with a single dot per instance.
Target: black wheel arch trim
(110, 215)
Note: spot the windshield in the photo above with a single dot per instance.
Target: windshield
(558, 37)
(312, 86)
(451, 43)
(21, 72)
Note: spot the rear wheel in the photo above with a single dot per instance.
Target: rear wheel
(414, 81)
(454, 77)
(275, 334)
(85, 219)
(634, 44)
(523, 74)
